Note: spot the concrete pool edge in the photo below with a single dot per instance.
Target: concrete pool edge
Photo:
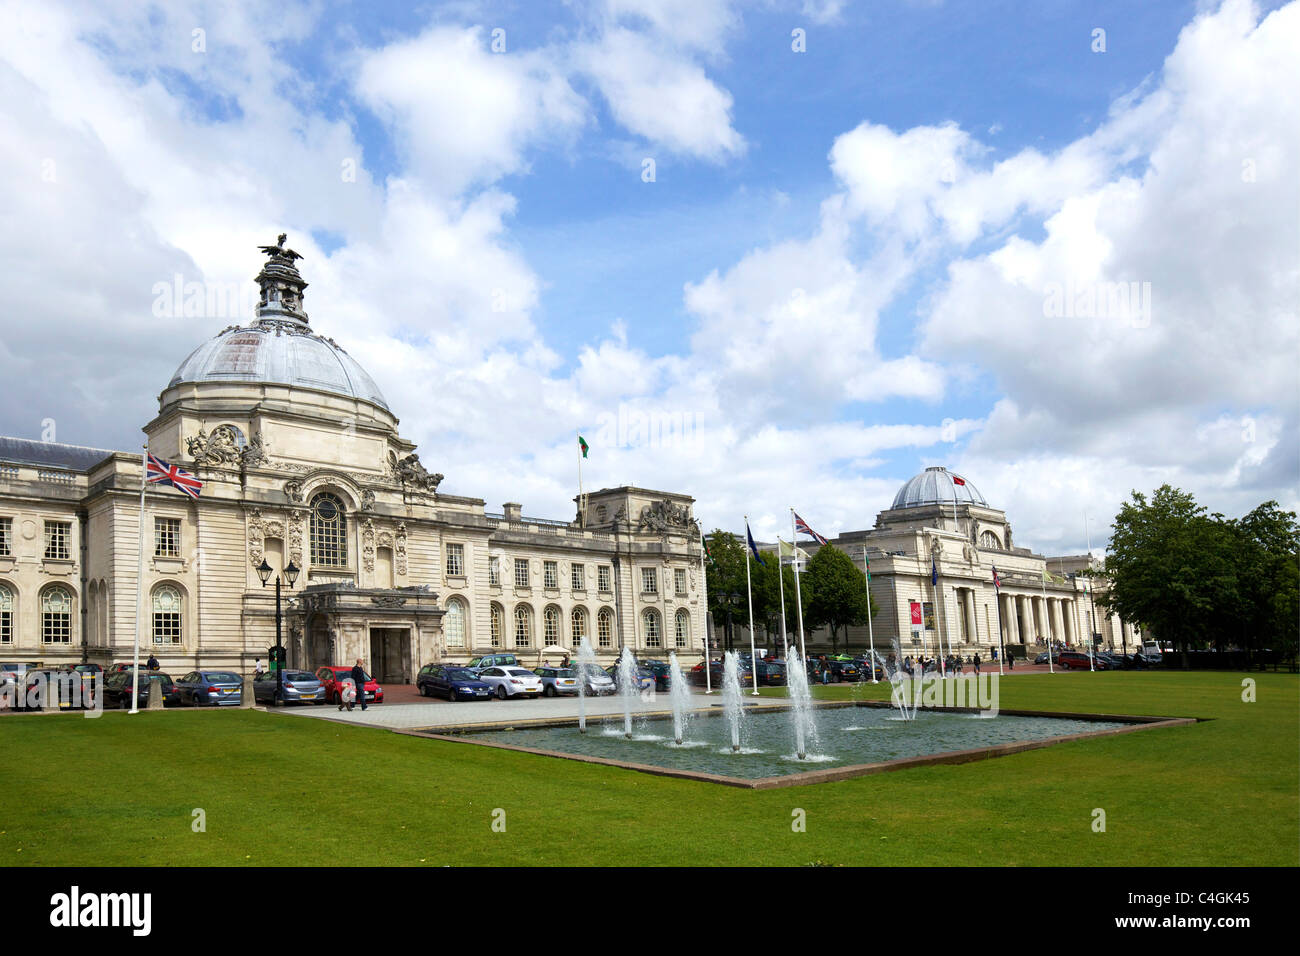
(1132, 722)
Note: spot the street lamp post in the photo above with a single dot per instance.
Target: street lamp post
(291, 575)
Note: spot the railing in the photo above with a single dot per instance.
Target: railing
(59, 477)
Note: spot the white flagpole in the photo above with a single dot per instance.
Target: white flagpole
(866, 562)
(704, 588)
(749, 592)
(1047, 614)
(798, 597)
(139, 589)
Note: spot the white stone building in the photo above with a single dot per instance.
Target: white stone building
(938, 528)
(302, 462)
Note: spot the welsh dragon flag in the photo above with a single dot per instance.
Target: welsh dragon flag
(582, 443)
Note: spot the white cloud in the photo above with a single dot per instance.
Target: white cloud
(659, 94)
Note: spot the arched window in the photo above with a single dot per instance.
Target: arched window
(6, 615)
(683, 628)
(523, 626)
(551, 626)
(454, 623)
(578, 626)
(56, 616)
(653, 635)
(605, 627)
(989, 540)
(329, 542)
(167, 609)
(498, 624)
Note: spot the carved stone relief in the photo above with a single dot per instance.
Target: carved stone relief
(368, 545)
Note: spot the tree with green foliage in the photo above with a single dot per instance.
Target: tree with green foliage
(1197, 579)
(837, 593)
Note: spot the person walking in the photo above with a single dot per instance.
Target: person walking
(152, 665)
(359, 678)
(977, 662)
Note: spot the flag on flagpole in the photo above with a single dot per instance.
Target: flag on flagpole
(159, 472)
(934, 573)
(705, 545)
(582, 443)
(958, 480)
(801, 527)
(749, 536)
(997, 581)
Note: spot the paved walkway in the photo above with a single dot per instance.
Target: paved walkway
(418, 712)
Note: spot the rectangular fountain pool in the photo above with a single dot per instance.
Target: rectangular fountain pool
(845, 737)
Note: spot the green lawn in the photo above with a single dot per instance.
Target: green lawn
(119, 790)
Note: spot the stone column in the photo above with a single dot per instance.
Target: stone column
(1058, 620)
(973, 631)
(1067, 612)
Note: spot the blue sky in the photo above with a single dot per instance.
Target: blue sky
(838, 273)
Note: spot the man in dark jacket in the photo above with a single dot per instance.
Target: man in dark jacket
(359, 678)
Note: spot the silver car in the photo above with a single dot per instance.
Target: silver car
(300, 687)
(512, 682)
(598, 682)
(558, 680)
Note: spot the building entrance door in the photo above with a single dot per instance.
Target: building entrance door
(390, 655)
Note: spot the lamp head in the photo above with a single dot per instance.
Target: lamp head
(264, 572)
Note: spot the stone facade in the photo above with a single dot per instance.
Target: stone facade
(965, 538)
(302, 462)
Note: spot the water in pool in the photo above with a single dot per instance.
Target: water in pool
(846, 736)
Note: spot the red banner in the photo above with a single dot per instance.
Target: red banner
(916, 613)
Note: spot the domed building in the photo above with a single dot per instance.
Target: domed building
(933, 553)
(302, 462)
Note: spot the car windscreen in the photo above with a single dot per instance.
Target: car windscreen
(519, 672)
(222, 677)
(564, 673)
(299, 675)
(460, 675)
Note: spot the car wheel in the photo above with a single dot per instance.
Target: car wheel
(501, 692)
(550, 691)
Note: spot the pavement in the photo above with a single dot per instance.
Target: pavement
(403, 708)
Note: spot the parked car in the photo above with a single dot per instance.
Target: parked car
(598, 682)
(118, 686)
(771, 673)
(1042, 658)
(558, 680)
(300, 687)
(479, 664)
(61, 684)
(454, 683)
(210, 688)
(645, 678)
(512, 682)
(744, 673)
(332, 677)
(1079, 661)
(661, 671)
(863, 663)
(843, 671)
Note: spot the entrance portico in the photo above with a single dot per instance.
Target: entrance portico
(392, 630)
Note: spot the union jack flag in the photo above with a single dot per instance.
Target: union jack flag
(165, 473)
(801, 526)
(997, 581)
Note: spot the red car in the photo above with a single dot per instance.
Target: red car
(332, 678)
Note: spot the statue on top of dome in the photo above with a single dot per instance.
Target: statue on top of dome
(279, 250)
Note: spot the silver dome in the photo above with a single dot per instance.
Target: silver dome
(281, 353)
(935, 486)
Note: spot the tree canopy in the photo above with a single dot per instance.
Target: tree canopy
(1198, 580)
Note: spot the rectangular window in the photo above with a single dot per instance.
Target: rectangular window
(579, 577)
(605, 629)
(679, 581)
(494, 573)
(456, 560)
(551, 574)
(649, 580)
(6, 535)
(56, 627)
(57, 537)
(166, 627)
(167, 537)
(521, 572)
(6, 626)
(603, 578)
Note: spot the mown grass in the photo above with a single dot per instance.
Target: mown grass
(120, 790)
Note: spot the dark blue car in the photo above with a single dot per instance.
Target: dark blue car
(452, 682)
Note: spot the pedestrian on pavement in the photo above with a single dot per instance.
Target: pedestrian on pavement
(977, 662)
(359, 678)
(153, 663)
(348, 695)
